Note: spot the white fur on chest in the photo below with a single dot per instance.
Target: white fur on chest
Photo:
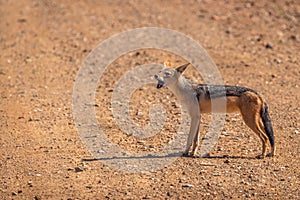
(185, 93)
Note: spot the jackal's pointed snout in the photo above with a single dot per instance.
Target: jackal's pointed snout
(160, 82)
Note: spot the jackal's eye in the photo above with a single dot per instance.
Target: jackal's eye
(167, 74)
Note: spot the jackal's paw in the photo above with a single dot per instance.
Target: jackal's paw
(261, 156)
(185, 154)
(193, 154)
(206, 155)
(270, 155)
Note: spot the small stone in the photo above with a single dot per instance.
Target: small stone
(215, 17)
(280, 34)
(28, 59)
(181, 180)
(14, 193)
(78, 169)
(277, 60)
(294, 37)
(29, 183)
(187, 185)
(206, 164)
(269, 46)
(296, 132)
(37, 198)
(227, 161)
(22, 20)
(175, 105)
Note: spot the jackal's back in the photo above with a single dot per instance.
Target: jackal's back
(217, 91)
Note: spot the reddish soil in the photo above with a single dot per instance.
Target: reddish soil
(43, 44)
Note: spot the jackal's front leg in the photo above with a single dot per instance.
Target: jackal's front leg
(196, 141)
(192, 134)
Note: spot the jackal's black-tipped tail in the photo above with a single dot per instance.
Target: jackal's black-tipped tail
(267, 124)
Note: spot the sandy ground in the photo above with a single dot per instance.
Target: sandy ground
(43, 44)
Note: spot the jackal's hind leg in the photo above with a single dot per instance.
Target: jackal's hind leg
(252, 121)
(250, 107)
(251, 116)
(262, 135)
(262, 128)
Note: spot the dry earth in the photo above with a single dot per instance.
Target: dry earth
(43, 43)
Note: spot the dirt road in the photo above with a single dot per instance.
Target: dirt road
(43, 44)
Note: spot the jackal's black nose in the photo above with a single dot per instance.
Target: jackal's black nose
(159, 84)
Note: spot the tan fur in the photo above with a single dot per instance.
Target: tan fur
(232, 105)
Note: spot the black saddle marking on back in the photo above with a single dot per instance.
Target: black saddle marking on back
(216, 91)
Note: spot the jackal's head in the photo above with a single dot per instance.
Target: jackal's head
(168, 76)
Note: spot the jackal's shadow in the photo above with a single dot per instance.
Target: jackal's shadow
(173, 155)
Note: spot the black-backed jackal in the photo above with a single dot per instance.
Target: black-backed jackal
(197, 98)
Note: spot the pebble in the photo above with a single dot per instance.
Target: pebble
(269, 46)
(207, 164)
(294, 37)
(296, 132)
(187, 185)
(181, 180)
(227, 161)
(29, 183)
(78, 169)
(37, 197)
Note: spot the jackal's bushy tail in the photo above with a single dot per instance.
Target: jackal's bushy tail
(267, 123)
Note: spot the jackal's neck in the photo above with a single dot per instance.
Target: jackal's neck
(183, 83)
(181, 87)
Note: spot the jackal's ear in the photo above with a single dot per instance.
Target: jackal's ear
(167, 63)
(181, 68)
